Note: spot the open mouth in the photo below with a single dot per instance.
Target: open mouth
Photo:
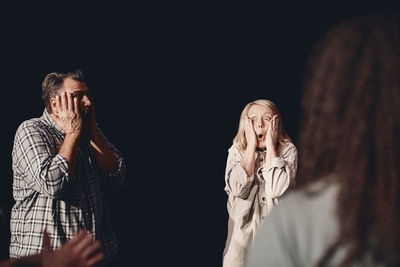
(260, 136)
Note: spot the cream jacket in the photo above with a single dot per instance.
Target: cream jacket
(251, 198)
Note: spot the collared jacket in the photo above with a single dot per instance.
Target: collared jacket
(251, 198)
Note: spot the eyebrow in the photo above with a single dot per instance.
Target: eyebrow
(77, 92)
(269, 114)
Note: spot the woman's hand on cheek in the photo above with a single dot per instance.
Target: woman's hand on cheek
(272, 134)
(250, 134)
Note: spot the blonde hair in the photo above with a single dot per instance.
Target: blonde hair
(240, 138)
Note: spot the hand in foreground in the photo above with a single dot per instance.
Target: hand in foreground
(79, 251)
(68, 116)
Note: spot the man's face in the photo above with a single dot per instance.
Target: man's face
(81, 91)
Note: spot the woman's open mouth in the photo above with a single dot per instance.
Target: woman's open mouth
(260, 136)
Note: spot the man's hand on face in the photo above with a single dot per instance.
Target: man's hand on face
(92, 123)
(88, 119)
(68, 115)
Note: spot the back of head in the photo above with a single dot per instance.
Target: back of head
(350, 127)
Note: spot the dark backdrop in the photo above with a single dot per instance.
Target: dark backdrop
(169, 82)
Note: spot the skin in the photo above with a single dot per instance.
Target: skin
(79, 251)
(73, 111)
(261, 131)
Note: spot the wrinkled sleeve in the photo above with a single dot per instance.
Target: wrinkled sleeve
(282, 172)
(238, 183)
(119, 173)
(36, 161)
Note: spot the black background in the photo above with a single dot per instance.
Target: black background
(169, 82)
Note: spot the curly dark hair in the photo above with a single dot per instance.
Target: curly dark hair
(350, 126)
(53, 82)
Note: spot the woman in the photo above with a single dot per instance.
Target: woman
(261, 167)
(348, 211)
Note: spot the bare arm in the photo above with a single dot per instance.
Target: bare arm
(105, 157)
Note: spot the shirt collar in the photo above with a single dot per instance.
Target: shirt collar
(49, 120)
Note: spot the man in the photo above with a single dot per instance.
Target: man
(61, 162)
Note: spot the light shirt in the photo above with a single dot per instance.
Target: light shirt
(300, 230)
(251, 198)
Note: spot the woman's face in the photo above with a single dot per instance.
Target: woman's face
(260, 117)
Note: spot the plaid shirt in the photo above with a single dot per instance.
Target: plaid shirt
(48, 197)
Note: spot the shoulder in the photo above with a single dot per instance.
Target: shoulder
(300, 227)
(234, 151)
(310, 198)
(31, 126)
(232, 148)
(288, 150)
(289, 146)
(308, 211)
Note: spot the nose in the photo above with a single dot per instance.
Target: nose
(260, 124)
(86, 101)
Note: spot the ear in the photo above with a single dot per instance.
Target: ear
(53, 105)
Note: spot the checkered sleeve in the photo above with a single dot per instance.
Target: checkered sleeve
(38, 161)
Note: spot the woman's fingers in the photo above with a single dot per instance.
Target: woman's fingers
(247, 121)
(275, 122)
(249, 128)
(247, 125)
